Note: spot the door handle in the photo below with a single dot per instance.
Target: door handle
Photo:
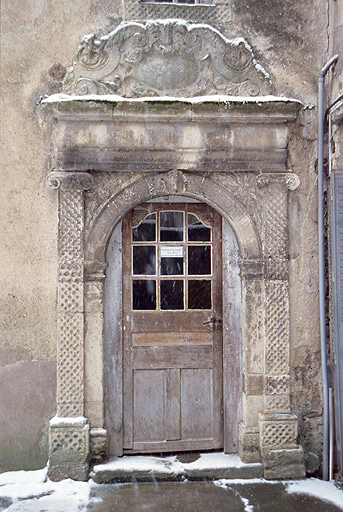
(216, 322)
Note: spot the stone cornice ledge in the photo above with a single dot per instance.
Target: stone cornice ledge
(217, 108)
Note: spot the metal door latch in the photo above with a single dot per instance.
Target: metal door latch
(216, 322)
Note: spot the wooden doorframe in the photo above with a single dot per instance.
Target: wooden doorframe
(232, 374)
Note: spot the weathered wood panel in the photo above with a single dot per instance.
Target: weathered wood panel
(172, 418)
(171, 338)
(172, 357)
(196, 403)
(148, 410)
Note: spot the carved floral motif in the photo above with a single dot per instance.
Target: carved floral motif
(165, 58)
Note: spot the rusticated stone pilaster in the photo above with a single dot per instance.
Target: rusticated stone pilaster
(278, 427)
(69, 431)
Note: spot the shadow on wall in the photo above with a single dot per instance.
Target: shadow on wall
(27, 402)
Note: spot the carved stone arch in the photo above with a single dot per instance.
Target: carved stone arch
(173, 183)
(170, 183)
(247, 238)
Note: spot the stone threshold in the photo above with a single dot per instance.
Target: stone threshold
(141, 468)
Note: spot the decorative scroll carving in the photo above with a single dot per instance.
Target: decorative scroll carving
(289, 179)
(71, 180)
(169, 57)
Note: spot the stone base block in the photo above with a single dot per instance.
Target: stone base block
(278, 431)
(284, 464)
(248, 445)
(58, 472)
(98, 443)
(69, 448)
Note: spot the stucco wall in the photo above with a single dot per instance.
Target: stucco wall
(39, 39)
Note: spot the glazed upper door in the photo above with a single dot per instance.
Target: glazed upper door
(172, 328)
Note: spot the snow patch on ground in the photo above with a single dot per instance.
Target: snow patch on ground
(217, 460)
(142, 463)
(224, 483)
(172, 464)
(326, 491)
(32, 491)
(247, 506)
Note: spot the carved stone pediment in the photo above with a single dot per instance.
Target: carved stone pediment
(165, 58)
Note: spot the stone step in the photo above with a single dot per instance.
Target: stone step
(140, 468)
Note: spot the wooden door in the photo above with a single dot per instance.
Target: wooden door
(172, 328)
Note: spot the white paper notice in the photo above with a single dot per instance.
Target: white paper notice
(172, 252)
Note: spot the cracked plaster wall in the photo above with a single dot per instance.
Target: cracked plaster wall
(39, 39)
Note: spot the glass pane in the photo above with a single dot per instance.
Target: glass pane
(197, 231)
(199, 294)
(146, 230)
(199, 259)
(171, 226)
(144, 259)
(171, 294)
(171, 266)
(144, 294)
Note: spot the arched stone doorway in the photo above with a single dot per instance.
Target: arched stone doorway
(111, 154)
(229, 383)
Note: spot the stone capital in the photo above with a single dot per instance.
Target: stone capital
(95, 270)
(70, 180)
(252, 268)
(289, 179)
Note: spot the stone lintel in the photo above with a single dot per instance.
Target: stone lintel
(152, 159)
